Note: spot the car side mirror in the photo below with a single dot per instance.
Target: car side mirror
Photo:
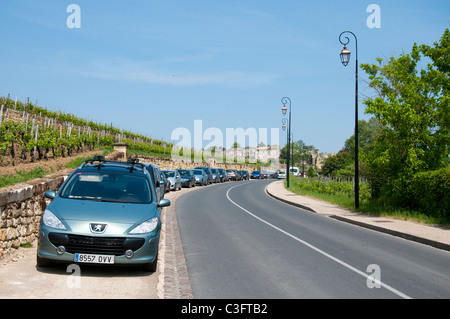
(50, 194)
(164, 203)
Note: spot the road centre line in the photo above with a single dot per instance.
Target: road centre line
(365, 275)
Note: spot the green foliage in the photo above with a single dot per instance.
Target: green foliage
(404, 147)
(61, 139)
(337, 162)
(430, 193)
(301, 151)
(312, 172)
(331, 187)
(19, 177)
(413, 109)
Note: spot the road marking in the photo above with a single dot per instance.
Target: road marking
(365, 275)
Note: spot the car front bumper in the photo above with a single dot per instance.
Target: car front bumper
(50, 239)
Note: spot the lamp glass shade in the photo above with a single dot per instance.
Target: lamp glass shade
(345, 56)
(284, 109)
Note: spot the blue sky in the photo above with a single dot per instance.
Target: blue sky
(150, 66)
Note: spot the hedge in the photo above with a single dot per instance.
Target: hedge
(431, 192)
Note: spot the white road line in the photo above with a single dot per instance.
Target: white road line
(365, 275)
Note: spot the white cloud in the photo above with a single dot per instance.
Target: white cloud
(151, 72)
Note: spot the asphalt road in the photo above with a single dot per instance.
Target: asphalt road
(241, 243)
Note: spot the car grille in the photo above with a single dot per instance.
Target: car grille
(96, 244)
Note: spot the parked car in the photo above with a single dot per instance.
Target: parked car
(175, 179)
(187, 178)
(234, 174)
(105, 212)
(223, 175)
(244, 175)
(271, 175)
(281, 174)
(216, 175)
(208, 172)
(200, 176)
(256, 175)
(158, 182)
(166, 182)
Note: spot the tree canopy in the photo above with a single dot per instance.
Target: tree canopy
(413, 108)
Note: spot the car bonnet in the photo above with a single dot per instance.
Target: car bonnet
(88, 210)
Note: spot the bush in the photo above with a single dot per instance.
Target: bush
(332, 187)
(430, 193)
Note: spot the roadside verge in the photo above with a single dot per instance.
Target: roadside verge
(435, 236)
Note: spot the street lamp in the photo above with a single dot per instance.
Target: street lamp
(284, 111)
(345, 59)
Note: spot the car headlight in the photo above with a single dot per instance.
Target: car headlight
(49, 219)
(146, 227)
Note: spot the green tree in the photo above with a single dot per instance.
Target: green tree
(337, 162)
(412, 107)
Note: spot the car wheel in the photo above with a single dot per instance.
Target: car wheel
(44, 263)
(151, 267)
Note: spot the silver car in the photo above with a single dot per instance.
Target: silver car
(104, 213)
(158, 181)
(175, 179)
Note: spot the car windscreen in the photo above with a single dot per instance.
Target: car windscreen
(169, 173)
(197, 172)
(184, 173)
(108, 187)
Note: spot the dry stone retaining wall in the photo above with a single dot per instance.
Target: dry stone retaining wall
(21, 208)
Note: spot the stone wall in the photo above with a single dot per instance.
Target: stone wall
(21, 208)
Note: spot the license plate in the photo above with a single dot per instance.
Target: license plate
(94, 259)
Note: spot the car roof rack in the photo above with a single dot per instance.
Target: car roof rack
(101, 159)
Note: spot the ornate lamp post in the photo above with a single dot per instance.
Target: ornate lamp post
(345, 59)
(284, 111)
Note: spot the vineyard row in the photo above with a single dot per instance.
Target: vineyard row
(34, 132)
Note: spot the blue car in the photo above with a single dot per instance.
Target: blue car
(200, 177)
(256, 175)
(105, 213)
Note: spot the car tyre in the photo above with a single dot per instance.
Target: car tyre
(151, 267)
(42, 262)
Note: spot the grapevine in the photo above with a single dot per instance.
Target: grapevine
(31, 132)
